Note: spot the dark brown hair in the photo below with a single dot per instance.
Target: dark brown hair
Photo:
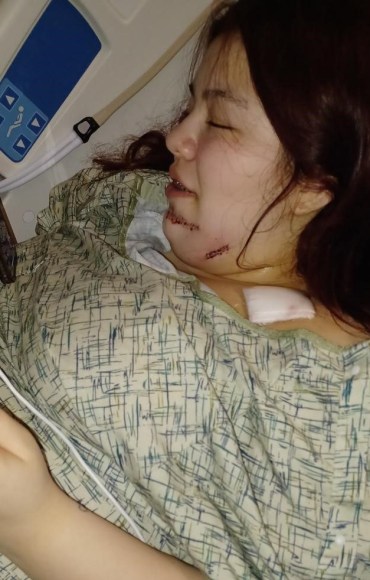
(309, 65)
(148, 151)
(309, 62)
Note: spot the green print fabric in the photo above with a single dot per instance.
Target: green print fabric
(236, 448)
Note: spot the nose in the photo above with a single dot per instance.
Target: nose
(182, 139)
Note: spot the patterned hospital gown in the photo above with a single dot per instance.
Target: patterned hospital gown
(241, 450)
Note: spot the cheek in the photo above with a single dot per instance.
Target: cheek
(209, 245)
(226, 223)
(215, 160)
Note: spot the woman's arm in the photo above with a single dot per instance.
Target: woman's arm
(49, 536)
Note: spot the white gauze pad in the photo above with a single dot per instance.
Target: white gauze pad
(267, 304)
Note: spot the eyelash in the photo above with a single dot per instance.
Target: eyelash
(210, 123)
(219, 126)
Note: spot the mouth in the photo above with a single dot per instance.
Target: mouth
(178, 185)
(177, 188)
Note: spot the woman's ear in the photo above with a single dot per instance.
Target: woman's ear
(307, 201)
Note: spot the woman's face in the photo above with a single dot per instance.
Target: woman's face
(224, 173)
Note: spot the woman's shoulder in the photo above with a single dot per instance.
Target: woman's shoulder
(92, 189)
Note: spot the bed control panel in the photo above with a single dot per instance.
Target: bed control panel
(53, 58)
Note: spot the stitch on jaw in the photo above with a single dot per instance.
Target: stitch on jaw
(174, 219)
(218, 252)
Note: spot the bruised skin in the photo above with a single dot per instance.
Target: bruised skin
(176, 189)
(179, 220)
(218, 252)
(175, 219)
(229, 291)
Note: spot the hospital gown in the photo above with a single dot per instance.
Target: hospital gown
(236, 448)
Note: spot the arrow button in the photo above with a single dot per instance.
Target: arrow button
(9, 98)
(22, 145)
(36, 124)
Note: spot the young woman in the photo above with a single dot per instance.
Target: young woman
(206, 351)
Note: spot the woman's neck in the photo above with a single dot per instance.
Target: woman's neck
(230, 290)
(282, 275)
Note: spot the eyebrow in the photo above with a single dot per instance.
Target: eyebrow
(209, 94)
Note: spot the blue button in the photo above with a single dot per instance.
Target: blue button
(22, 145)
(36, 124)
(9, 98)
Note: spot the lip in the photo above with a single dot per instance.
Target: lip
(172, 191)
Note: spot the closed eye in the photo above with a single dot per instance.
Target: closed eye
(219, 125)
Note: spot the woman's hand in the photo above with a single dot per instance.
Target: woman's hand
(26, 487)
